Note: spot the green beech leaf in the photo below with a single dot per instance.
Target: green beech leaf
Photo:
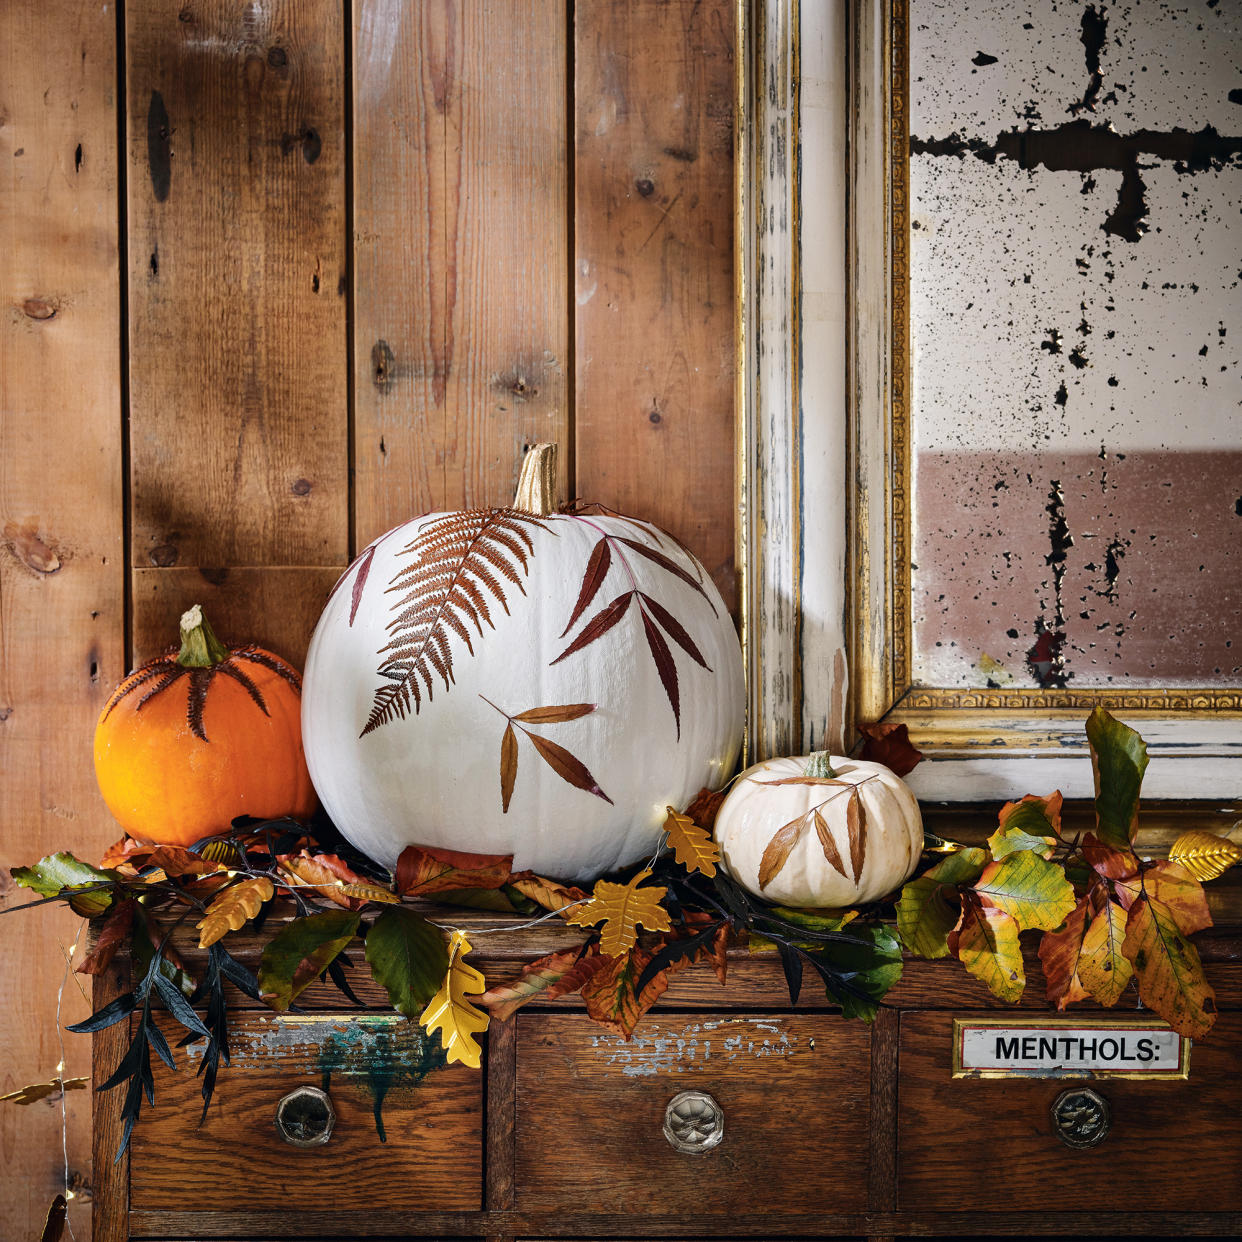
(871, 965)
(925, 913)
(408, 958)
(301, 951)
(1034, 823)
(1033, 892)
(1118, 761)
(64, 875)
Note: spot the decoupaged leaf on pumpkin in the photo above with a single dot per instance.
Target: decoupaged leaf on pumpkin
(450, 1011)
(301, 951)
(1033, 892)
(928, 908)
(558, 974)
(233, 907)
(986, 942)
(1167, 966)
(623, 909)
(1205, 854)
(408, 958)
(457, 573)
(1033, 823)
(692, 846)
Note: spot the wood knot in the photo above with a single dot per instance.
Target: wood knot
(35, 552)
(164, 555)
(301, 487)
(277, 57)
(645, 187)
(39, 308)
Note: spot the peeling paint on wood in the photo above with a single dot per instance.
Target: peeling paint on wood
(724, 1041)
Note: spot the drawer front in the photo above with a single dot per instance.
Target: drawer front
(592, 1109)
(369, 1066)
(989, 1145)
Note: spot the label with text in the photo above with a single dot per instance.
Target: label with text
(1091, 1049)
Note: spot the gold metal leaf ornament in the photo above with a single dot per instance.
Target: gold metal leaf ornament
(622, 908)
(1205, 855)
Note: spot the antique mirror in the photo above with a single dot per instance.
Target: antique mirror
(1034, 430)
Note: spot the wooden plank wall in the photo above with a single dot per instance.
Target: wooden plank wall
(277, 277)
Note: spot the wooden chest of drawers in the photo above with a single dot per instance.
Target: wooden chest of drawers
(826, 1128)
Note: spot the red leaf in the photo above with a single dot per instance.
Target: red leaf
(593, 579)
(1112, 864)
(1059, 951)
(660, 559)
(112, 934)
(663, 658)
(422, 870)
(599, 625)
(890, 745)
(705, 806)
(567, 767)
(674, 630)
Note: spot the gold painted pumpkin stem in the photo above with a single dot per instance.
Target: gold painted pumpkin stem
(536, 489)
(200, 648)
(820, 766)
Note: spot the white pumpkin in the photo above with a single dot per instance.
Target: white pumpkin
(796, 840)
(519, 681)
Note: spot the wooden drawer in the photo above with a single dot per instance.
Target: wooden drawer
(988, 1145)
(431, 1116)
(794, 1090)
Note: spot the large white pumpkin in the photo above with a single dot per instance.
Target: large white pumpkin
(815, 855)
(499, 681)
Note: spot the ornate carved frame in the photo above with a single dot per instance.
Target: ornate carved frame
(823, 466)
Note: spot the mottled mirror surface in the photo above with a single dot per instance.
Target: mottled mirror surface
(1075, 251)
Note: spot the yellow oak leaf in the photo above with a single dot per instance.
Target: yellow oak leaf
(450, 1011)
(692, 846)
(622, 908)
(233, 907)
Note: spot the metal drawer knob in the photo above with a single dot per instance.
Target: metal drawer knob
(305, 1117)
(693, 1122)
(1081, 1117)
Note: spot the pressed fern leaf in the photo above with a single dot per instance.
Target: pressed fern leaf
(463, 565)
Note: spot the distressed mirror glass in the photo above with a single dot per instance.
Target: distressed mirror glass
(1068, 255)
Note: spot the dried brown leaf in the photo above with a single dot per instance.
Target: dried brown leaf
(422, 870)
(704, 808)
(596, 571)
(890, 744)
(599, 625)
(827, 844)
(547, 893)
(508, 766)
(558, 974)
(777, 851)
(555, 715)
(856, 825)
(567, 767)
(113, 933)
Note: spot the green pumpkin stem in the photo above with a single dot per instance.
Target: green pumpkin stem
(200, 648)
(820, 766)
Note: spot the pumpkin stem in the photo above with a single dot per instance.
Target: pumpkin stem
(820, 766)
(200, 648)
(536, 489)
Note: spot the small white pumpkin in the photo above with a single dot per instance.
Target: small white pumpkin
(521, 681)
(820, 831)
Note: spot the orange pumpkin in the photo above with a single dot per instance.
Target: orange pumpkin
(191, 740)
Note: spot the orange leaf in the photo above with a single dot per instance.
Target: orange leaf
(611, 997)
(332, 879)
(622, 908)
(1112, 864)
(1059, 951)
(1170, 975)
(776, 853)
(1173, 886)
(556, 975)
(422, 870)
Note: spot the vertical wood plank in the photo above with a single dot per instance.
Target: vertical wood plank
(461, 269)
(61, 566)
(237, 282)
(110, 1219)
(882, 1162)
(499, 1191)
(655, 319)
